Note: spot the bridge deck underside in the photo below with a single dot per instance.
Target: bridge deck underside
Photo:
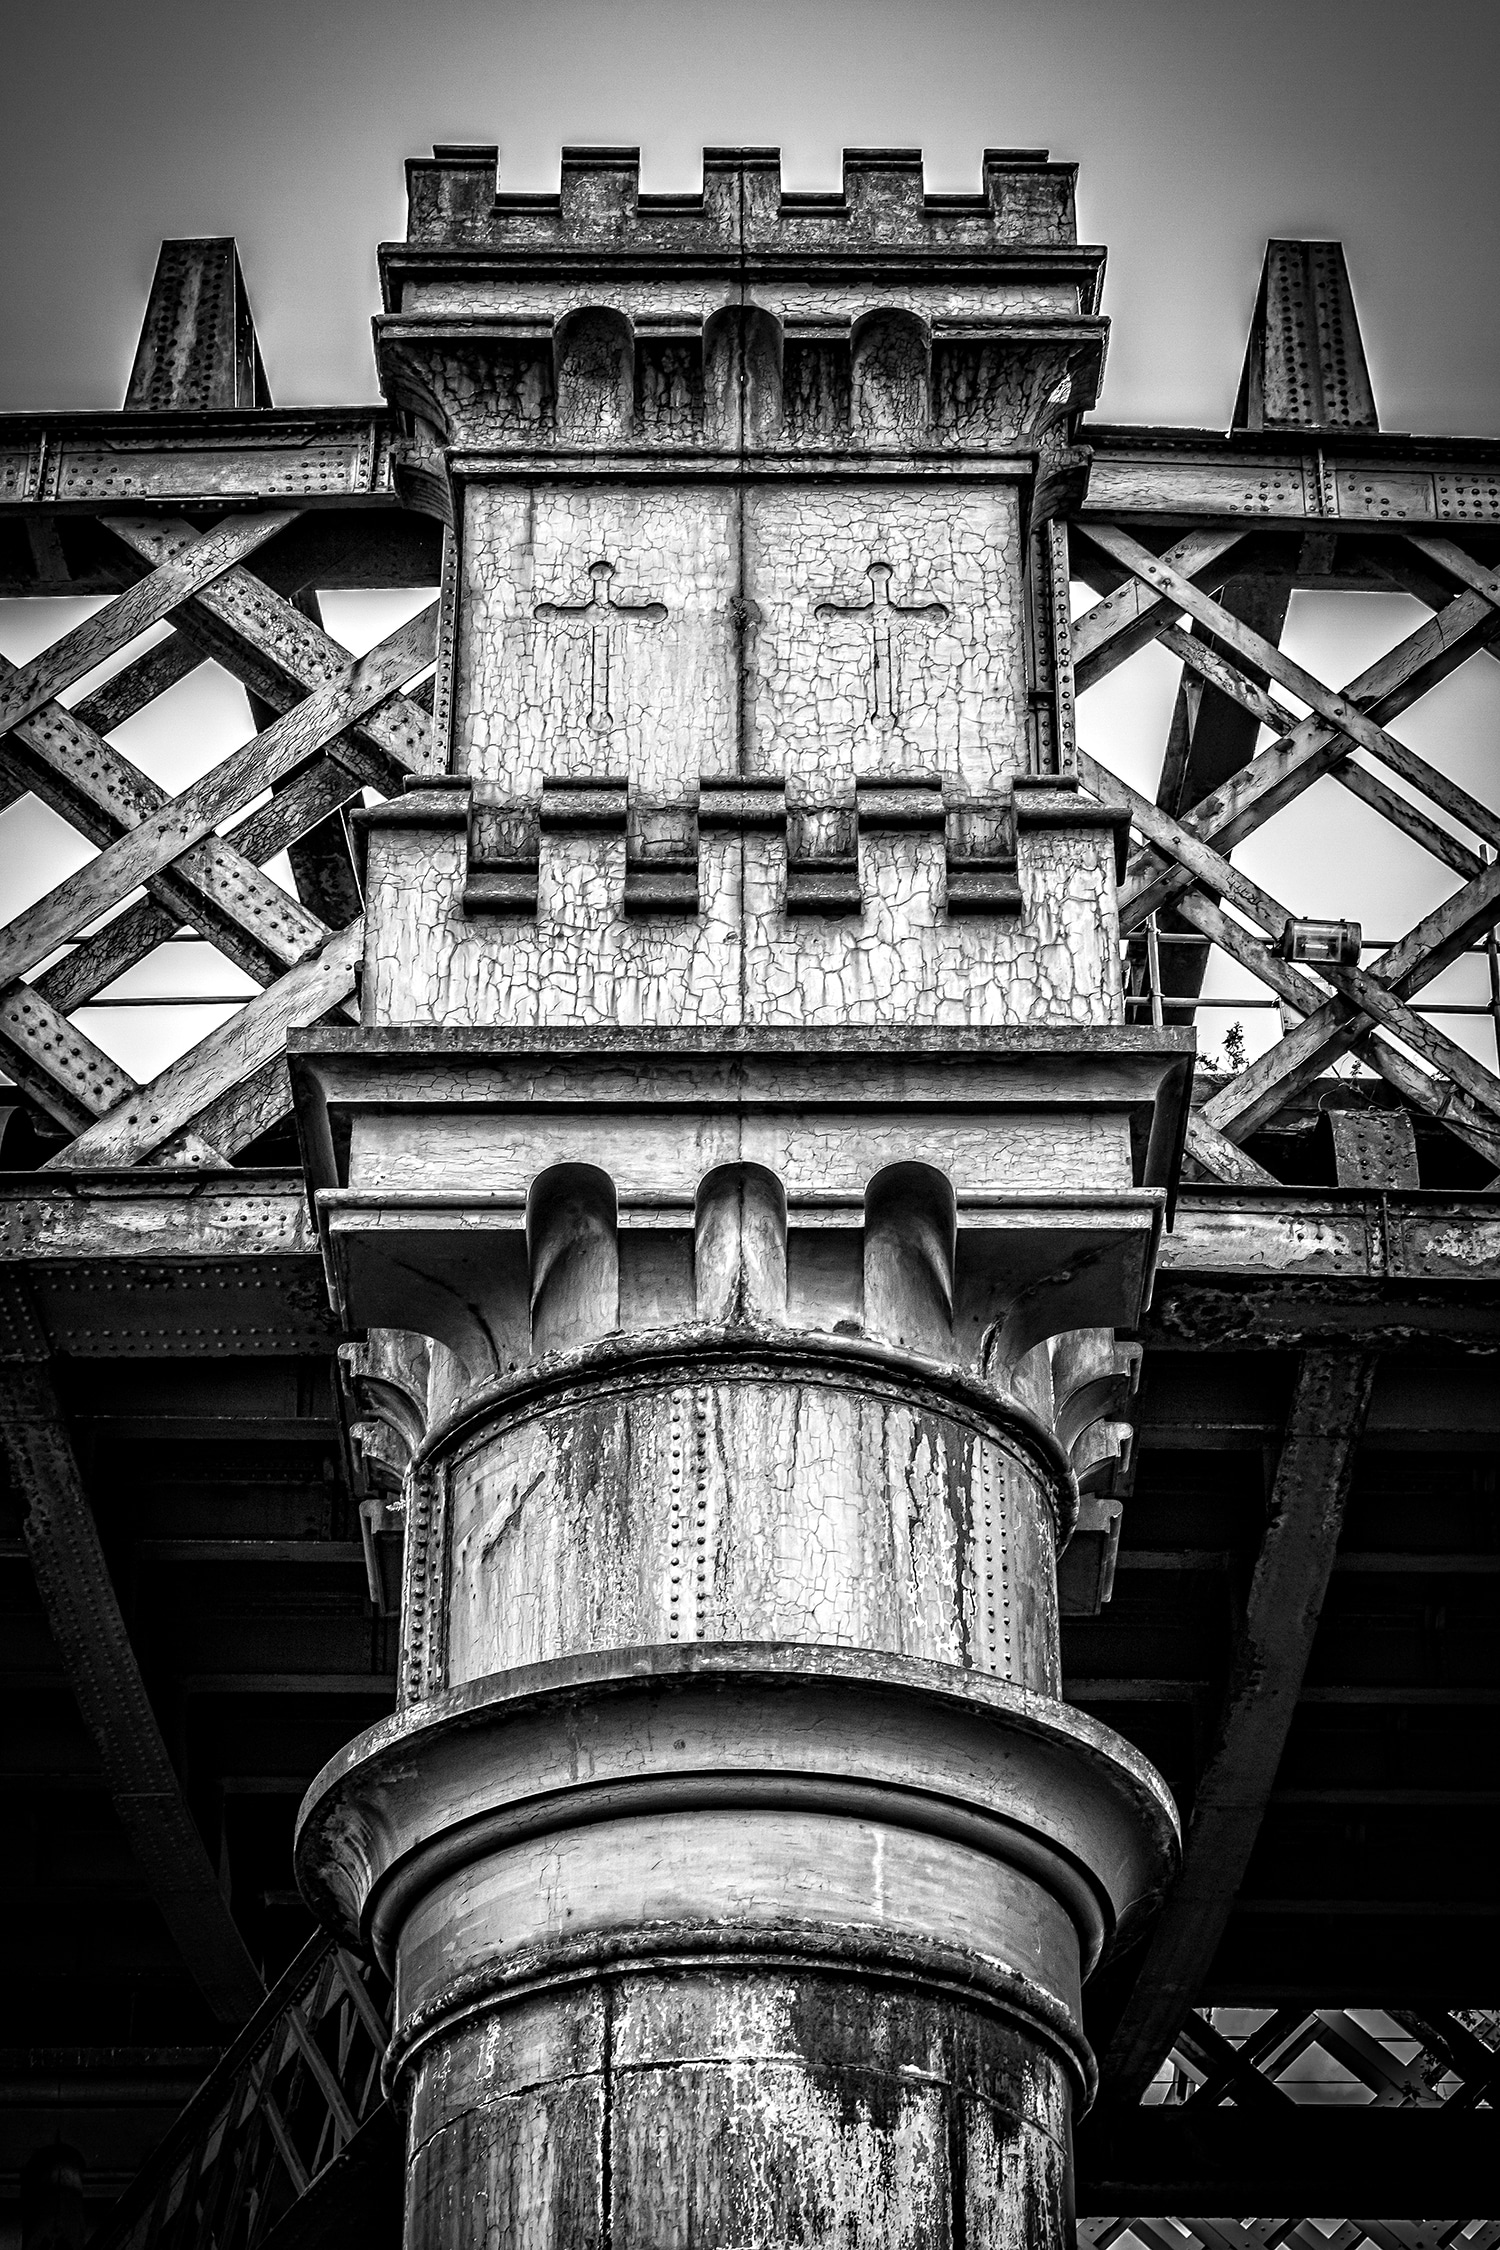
(220, 1479)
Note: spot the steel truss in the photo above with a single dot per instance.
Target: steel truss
(222, 526)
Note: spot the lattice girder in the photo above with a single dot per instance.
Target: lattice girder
(1184, 864)
(340, 724)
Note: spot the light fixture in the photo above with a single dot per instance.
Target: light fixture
(1331, 944)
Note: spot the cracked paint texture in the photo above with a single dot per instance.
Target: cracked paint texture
(644, 684)
(687, 297)
(787, 1510)
(740, 635)
(959, 679)
(742, 959)
(815, 1151)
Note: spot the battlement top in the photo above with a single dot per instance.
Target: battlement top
(454, 203)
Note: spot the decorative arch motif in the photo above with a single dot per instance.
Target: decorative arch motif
(574, 1257)
(595, 358)
(742, 376)
(891, 379)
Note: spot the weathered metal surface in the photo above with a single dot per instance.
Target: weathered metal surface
(1374, 1148)
(225, 1059)
(1183, 476)
(297, 457)
(718, 1780)
(1305, 361)
(688, 2097)
(162, 837)
(1295, 1266)
(170, 844)
(1181, 868)
(333, 456)
(839, 1502)
(159, 1217)
(32, 685)
(198, 350)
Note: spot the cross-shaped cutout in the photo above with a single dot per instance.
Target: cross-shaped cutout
(598, 617)
(891, 623)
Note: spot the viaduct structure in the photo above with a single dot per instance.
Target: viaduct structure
(877, 1591)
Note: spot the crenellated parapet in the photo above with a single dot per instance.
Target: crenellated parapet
(1025, 202)
(744, 324)
(756, 488)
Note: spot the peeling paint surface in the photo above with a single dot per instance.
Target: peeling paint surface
(961, 683)
(683, 2111)
(524, 705)
(755, 1511)
(741, 959)
(720, 659)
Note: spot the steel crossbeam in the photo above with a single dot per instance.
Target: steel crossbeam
(132, 613)
(247, 1043)
(1185, 863)
(1458, 2067)
(1359, 998)
(336, 724)
(257, 628)
(1280, 772)
(159, 840)
(340, 724)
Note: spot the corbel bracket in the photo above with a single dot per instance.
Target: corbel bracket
(981, 855)
(822, 856)
(663, 834)
(661, 854)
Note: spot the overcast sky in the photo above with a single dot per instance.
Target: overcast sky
(1199, 131)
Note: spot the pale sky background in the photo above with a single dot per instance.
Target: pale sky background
(1199, 131)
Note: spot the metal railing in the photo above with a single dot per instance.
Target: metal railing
(1145, 999)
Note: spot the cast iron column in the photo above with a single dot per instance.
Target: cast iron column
(744, 1121)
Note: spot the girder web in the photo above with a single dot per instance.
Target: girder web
(1184, 864)
(329, 726)
(336, 725)
(1273, 2060)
